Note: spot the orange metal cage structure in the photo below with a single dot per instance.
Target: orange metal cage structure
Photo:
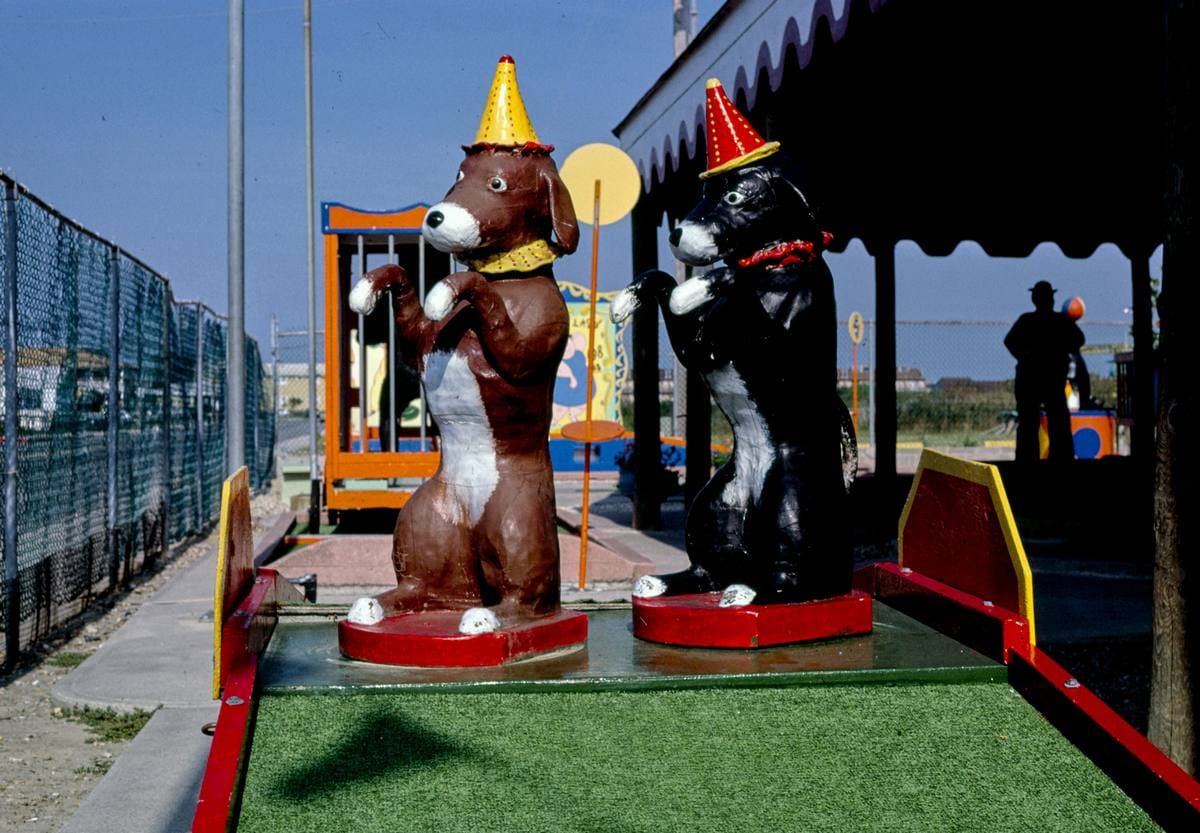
(363, 467)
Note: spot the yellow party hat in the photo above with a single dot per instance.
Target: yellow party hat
(505, 121)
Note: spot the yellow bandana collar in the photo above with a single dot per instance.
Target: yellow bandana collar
(524, 258)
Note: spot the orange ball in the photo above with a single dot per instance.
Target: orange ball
(1074, 308)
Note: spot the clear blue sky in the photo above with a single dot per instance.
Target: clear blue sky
(115, 112)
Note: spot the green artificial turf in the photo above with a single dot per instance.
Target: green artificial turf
(821, 758)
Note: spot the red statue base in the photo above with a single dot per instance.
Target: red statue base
(431, 639)
(696, 621)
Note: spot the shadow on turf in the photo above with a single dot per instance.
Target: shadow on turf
(382, 745)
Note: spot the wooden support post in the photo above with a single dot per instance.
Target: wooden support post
(885, 369)
(1143, 361)
(646, 496)
(1175, 685)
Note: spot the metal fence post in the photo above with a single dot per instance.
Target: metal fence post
(114, 411)
(392, 363)
(12, 576)
(274, 383)
(254, 406)
(362, 358)
(199, 418)
(165, 511)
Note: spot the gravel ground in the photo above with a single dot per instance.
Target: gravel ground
(49, 764)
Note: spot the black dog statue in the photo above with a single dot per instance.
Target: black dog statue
(770, 526)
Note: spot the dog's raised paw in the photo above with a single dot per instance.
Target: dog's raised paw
(365, 611)
(692, 293)
(647, 587)
(478, 620)
(623, 305)
(737, 595)
(438, 302)
(363, 297)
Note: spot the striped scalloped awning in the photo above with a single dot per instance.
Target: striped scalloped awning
(744, 38)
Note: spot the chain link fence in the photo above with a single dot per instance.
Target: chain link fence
(292, 406)
(111, 419)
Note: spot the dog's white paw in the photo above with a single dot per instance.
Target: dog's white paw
(365, 611)
(647, 587)
(692, 293)
(478, 620)
(737, 595)
(439, 302)
(623, 305)
(363, 297)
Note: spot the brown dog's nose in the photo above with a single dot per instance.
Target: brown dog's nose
(434, 219)
(676, 234)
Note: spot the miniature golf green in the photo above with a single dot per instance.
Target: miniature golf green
(831, 758)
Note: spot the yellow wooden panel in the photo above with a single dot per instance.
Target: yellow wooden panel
(235, 559)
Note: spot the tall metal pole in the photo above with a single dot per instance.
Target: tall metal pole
(314, 475)
(235, 365)
(12, 576)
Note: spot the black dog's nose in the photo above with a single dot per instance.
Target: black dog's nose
(676, 234)
(434, 219)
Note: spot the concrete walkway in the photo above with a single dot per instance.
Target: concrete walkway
(160, 659)
(610, 524)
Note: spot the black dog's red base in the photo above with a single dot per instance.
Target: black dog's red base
(431, 639)
(696, 621)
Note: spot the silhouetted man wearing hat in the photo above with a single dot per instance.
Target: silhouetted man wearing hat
(1042, 342)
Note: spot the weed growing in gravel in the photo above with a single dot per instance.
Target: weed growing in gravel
(98, 766)
(67, 659)
(108, 724)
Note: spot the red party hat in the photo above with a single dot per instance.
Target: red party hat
(732, 142)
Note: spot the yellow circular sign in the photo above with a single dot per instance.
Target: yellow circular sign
(620, 184)
(855, 326)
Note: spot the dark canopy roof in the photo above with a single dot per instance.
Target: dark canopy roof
(1005, 122)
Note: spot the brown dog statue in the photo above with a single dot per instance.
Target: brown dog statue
(480, 535)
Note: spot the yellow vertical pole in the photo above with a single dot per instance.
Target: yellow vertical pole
(591, 358)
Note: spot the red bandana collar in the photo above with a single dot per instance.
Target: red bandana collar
(785, 254)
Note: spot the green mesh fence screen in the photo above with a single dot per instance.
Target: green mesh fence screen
(212, 392)
(103, 350)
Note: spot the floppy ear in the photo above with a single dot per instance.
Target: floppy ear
(785, 177)
(562, 211)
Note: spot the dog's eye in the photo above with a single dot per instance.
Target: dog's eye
(460, 176)
(497, 184)
(734, 198)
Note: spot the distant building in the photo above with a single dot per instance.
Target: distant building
(907, 378)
